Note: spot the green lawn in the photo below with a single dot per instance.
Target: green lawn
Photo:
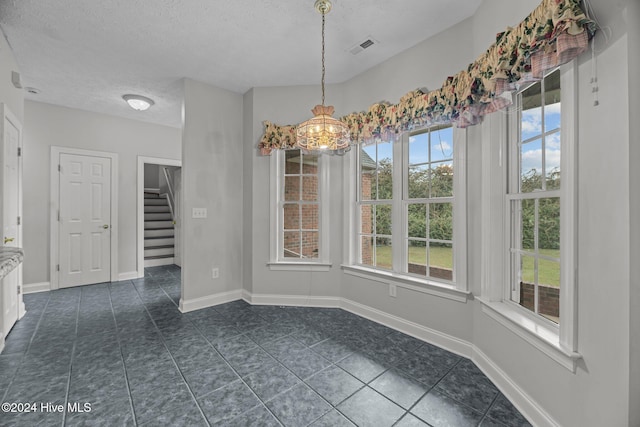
(548, 272)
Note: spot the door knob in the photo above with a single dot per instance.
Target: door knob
(8, 239)
(105, 226)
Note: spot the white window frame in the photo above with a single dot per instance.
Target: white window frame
(557, 341)
(276, 261)
(458, 288)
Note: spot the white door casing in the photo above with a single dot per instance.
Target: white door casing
(12, 306)
(140, 196)
(84, 244)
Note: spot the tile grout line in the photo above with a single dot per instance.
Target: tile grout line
(73, 349)
(24, 353)
(170, 355)
(124, 368)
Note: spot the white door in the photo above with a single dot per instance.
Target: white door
(10, 216)
(85, 220)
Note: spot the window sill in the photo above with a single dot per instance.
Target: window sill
(542, 337)
(408, 282)
(299, 266)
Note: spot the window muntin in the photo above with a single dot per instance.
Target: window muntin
(429, 203)
(534, 200)
(375, 189)
(299, 207)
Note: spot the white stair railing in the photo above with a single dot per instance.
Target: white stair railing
(169, 194)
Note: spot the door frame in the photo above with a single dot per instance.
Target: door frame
(7, 114)
(142, 160)
(54, 224)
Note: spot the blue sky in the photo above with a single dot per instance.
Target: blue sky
(531, 126)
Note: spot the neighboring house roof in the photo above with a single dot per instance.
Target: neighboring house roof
(366, 161)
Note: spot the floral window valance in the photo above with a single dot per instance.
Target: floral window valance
(553, 34)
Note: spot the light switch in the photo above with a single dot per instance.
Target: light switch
(199, 213)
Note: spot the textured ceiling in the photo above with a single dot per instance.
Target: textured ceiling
(87, 54)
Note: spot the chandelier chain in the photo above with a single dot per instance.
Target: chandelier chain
(323, 68)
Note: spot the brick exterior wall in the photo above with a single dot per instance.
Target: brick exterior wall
(297, 217)
(435, 272)
(548, 298)
(366, 218)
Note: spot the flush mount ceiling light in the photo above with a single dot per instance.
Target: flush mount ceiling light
(138, 102)
(323, 132)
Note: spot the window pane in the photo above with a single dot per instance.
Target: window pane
(527, 269)
(531, 166)
(384, 256)
(292, 188)
(441, 221)
(310, 188)
(310, 244)
(384, 191)
(549, 273)
(366, 219)
(549, 289)
(417, 217)
(552, 161)
(310, 217)
(292, 244)
(531, 119)
(552, 101)
(418, 182)
(549, 225)
(292, 162)
(367, 183)
(419, 148)
(291, 217)
(383, 219)
(417, 263)
(442, 179)
(441, 261)
(366, 250)
(528, 223)
(309, 164)
(442, 144)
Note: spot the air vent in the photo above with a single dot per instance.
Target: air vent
(368, 42)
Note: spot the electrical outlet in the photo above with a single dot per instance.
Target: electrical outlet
(199, 213)
(215, 273)
(392, 290)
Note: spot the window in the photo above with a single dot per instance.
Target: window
(534, 199)
(429, 203)
(529, 208)
(375, 205)
(299, 211)
(406, 207)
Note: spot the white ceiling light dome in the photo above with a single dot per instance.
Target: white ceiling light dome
(138, 102)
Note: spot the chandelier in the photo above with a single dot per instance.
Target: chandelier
(323, 132)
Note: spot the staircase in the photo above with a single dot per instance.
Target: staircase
(158, 231)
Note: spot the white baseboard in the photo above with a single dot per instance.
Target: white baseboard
(296, 300)
(32, 288)
(129, 275)
(527, 406)
(521, 400)
(209, 301)
(448, 342)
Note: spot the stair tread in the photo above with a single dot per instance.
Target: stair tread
(159, 247)
(158, 256)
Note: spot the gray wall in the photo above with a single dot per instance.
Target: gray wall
(151, 176)
(212, 179)
(47, 125)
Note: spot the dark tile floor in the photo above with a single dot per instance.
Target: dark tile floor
(125, 349)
